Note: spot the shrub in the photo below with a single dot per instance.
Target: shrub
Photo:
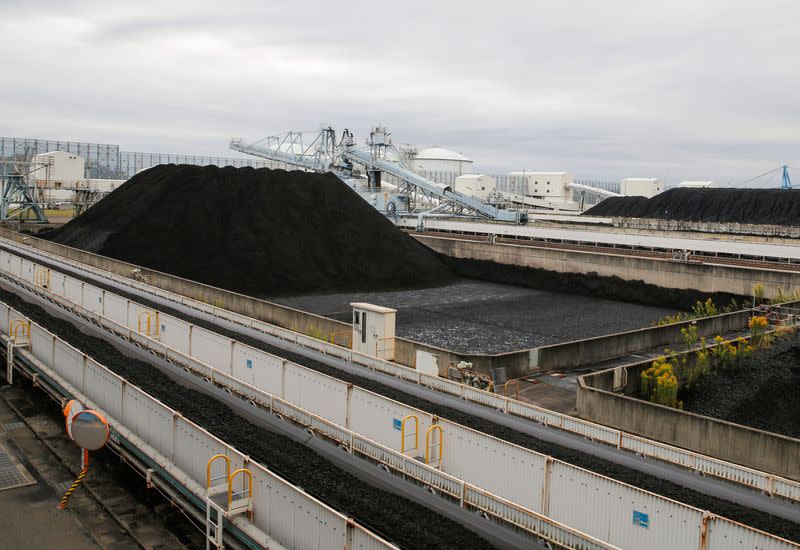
(689, 334)
(758, 326)
(659, 383)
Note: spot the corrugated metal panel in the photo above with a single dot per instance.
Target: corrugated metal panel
(42, 344)
(410, 466)
(174, 333)
(379, 419)
(724, 534)
(534, 523)
(92, 298)
(149, 419)
(26, 270)
(4, 318)
(257, 368)
(295, 519)
(495, 465)
(361, 539)
(57, 281)
(104, 385)
(620, 514)
(69, 363)
(116, 307)
(212, 349)
(316, 392)
(787, 488)
(14, 265)
(193, 449)
(484, 398)
(72, 290)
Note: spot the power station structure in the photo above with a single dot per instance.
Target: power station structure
(362, 167)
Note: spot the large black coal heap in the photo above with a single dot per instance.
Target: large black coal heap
(256, 231)
(756, 206)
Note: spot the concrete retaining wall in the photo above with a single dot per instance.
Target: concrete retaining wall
(593, 350)
(656, 271)
(769, 452)
(708, 227)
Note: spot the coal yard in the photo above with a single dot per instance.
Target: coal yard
(294, 363)
(751, 206)
(471, 316)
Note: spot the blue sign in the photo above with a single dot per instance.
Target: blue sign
(397, 424)
(249, 363)
(641, 519)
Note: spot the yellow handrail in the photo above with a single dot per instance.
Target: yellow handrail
(16, 325)
(403, 432)
(227, 469)
(42, 278)
(249, 483)
(149, 316)
(429, 446)
(516, 387)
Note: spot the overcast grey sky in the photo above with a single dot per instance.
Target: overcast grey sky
(606, 89)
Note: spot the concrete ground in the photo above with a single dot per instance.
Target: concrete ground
(102, 513)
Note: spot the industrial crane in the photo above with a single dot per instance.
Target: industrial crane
(378, 156)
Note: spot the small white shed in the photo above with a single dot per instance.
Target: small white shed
(373, 330)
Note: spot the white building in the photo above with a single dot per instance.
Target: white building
(640, 187)
(697, 184)
(540, 184)
(438, 159)
(477, 185)
(55, 173)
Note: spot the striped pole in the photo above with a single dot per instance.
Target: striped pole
(75, 484)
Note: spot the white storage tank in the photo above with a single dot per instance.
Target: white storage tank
(540, 184)
(640, 187)
(439, 159)
(373, 330)
(477, 185)
(697, 184)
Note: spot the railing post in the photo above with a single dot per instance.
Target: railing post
(349, 395)
(283, 379)
(704, 530)
(548, 467)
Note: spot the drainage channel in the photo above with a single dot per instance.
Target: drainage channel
(735, 502)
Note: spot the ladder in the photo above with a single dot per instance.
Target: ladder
(222, 501)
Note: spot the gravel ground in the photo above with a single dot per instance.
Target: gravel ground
(398, 519)
(762, 392)
(471, 316)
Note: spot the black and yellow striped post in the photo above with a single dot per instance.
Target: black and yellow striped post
(75, 484)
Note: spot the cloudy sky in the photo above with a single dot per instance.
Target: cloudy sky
(680, 90)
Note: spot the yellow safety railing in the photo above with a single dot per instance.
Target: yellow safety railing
(434, 448)
(42, 278)
(404, 435)
(18, 328)
(347, 333)
(248, 490)
(516, 388)
(384, 348)
(227, 475)
(149, 329)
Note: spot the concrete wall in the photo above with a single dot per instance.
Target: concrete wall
(592, 350)
(657, 271)
(708, 227)
(757, 449)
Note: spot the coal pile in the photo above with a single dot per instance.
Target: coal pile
(760, 393)
(756, 206)
(256, 231)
